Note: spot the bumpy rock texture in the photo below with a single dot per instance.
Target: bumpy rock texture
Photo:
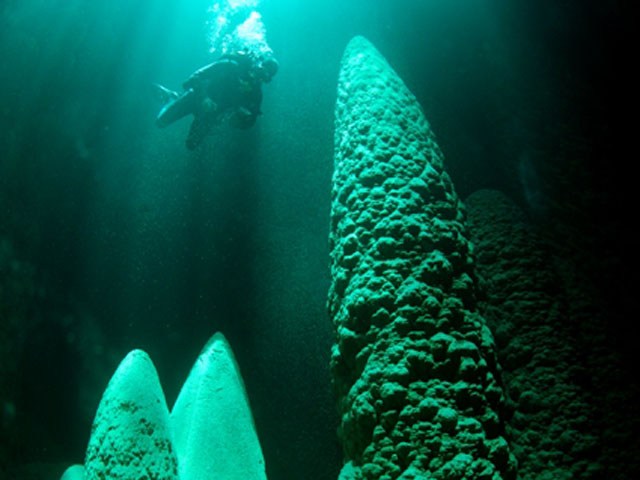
(414, 365)
(552, 429)
(131, 435)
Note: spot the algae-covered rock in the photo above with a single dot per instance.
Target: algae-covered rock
(214, 432)
(131, 433)
(414, 364)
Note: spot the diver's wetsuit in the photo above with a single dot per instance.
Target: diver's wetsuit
(225, 87)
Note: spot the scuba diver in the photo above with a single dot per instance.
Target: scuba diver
(229, 89)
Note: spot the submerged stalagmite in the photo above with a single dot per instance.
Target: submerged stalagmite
(214, 432)
(551, 427)
(131, 435)
(414, 365)
(210, 432)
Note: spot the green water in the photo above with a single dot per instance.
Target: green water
(114, 236)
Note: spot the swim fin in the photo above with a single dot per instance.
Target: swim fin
(164, 94)
(178, 107)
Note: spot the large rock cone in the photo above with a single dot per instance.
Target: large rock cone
(414, 364)
(215, 436)
(131, 435)
(210, 433)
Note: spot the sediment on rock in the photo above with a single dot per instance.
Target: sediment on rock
(414, 365)
(131, 435)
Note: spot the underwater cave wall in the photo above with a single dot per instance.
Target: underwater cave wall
(570, 418)
(18, 292)
(414, 366)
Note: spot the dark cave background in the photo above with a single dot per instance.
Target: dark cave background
(113, 236)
